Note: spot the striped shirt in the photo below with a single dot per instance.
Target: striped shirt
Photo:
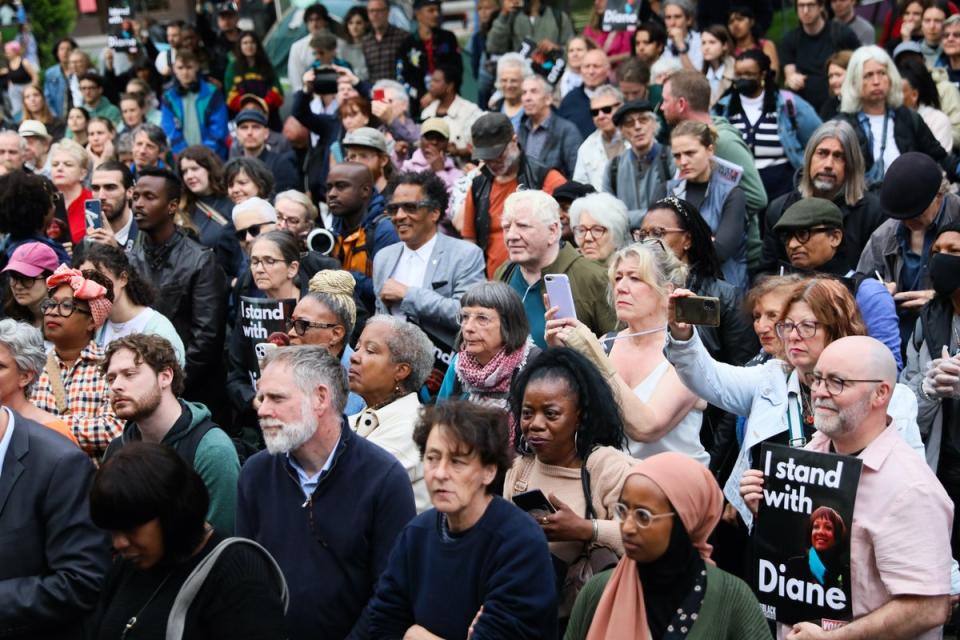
(89, 412)
(760, 132)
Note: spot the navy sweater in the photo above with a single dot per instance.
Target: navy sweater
(502, 563)
(333, 547)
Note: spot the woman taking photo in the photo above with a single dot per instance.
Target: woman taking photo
(69, 166)
(206, 206)
(492, 347)
(666, 585)
(100, 136)
(27, 271)
(392, 361)
(153, 505)
(355, 26)
(717, 60)
(247, 178)
(715, 193)
(77, 119)
(483, 558)
(568, 435)
(660, 414)
(249, 71)
(35, 108)
(600, 226)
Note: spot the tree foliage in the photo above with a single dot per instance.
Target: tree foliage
(51, 20)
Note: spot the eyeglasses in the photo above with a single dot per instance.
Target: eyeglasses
(596, 232)
(641, 516)
(807, 6)
(301, 326)
(64, 308)
(24, 281)
(805, 329)
(654, 232)
(802, 235)
(253, 230)
(266, 261)
(482, 319)
(610, 108)
(951, 34)
(394, 208)
(834, 384)
(627, 123)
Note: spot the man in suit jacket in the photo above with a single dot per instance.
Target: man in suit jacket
(423, 276)
(52, 557)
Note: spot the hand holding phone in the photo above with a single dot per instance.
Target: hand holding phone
(534, 503)
(379, 95)
(702, 310)
(561, 295)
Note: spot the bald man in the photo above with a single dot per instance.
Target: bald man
(595, 70)
(12, 147)
(360, 226)
(900, 539)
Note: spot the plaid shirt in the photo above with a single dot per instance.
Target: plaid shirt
(381, 55)
(89, 411)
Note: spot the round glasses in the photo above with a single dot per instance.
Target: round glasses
(642, 517)
(64, 308)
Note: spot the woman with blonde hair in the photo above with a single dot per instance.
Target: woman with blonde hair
(69, 168)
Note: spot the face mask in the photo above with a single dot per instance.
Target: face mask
(746, 86)
(945, 273)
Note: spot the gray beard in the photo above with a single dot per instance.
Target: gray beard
(826, 189)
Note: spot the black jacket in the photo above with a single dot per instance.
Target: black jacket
(859, 221)
(192, 293)
(910, 133)
(317, 163)
(531, 176)
(412, 63)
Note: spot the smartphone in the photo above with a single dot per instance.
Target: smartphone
(379, 95)
(698, 310)
(558, 288)
(534, 503)
(92, 210)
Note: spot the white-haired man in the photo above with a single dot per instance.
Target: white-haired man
(544, 135)
(251, 218)
(605, 143)
(531, 231)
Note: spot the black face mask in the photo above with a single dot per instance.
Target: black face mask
(746, 86)
(945, 273)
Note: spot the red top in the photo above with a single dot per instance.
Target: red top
(75, 216)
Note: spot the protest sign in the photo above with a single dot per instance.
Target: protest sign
(801, 559)
(260, 317)
(620, 15)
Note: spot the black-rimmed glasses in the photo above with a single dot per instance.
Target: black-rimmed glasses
(64, 308)
(834, 384)
(301, 326)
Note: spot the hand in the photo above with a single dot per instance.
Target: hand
(425, 100)
(401, 148)
(108, 59)
(308, 77)
(416, 632)
(907, 27)
(344, 74)
(678, 36)
(511, 5)
(546, 46)
(796, 81)
(473, 623)
(557, 330)
(943, 376)
(565, 525)
(729, 514)
(751, 489)
(913, 299)
(382, 110)
(679, 330)
(393, 291)
(806, 631)
(103, 235)
(891, 287)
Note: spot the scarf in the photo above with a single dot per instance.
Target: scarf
(495, 376)
(693, 492)
(91, 292)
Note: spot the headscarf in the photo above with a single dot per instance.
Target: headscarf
(698, 502)
(93, 293)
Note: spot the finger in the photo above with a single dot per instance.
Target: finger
(555, 501)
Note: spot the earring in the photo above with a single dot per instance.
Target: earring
(523, 445)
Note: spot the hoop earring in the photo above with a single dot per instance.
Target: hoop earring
(523, 445)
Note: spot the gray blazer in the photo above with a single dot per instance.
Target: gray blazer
(454, 266)
(52, 558)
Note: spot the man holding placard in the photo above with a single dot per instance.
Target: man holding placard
(900, 534)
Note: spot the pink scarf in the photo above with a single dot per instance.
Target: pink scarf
(93, 293)
(493, 377)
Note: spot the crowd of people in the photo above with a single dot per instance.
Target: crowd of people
(359, 354)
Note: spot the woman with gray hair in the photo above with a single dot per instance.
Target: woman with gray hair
(512, 70)
(22, 358)
(391, 363)
(600, 226)
(871, 101)
(683, 43)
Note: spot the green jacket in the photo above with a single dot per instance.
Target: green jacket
(106, 109)
(729, 610)
(509, 30)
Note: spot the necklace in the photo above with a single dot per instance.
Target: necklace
(132, 622)
(807, 408)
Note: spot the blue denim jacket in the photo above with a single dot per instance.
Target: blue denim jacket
(55, 89)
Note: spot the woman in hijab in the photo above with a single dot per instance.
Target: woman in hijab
(666, 586)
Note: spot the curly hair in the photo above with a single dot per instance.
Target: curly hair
(832, 304)
(702, 256)
(600, 420)
(430, 184)
(25, 200)
(106, 257)
(154, 350)
(261, 63)
(101, 280)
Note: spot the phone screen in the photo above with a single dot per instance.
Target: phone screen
(379, 95)
(92, 210)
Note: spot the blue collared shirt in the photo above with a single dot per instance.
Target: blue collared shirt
(5, 440)
(914, 271)
(537, 138)
(308, 483)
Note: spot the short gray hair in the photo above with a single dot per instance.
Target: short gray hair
(540, 203)
(686, 6)
(499, 296)
(608, 91)
(312, 366)
(154, 133)
(408, 345)
(514, 59)
(608, 211)
(21, 141)
(26, 346)
(854, 182)
(952, 20)
(394, 87)
(850, 99)
(300, 198)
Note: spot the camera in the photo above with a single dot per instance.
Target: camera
(321, 241)
(324, 81)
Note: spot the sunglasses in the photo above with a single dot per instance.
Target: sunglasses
(301, 326)
(253, 230)
(606, 110)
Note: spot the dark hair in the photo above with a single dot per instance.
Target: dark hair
(136, 97)
(187, 56)
(323, 41)
(209, 160)
(146, 481)
(114, 259)
(82, 110)
(60, 41)
(499, 296)
(430, 183)
(769, 81)
(826, 513)
(916, 73)
(452, 74)
(600, 420)
(747, 12)
(355, 10)
(721, 33)
(116, 165)
(702, 256)
(261, 64)
(156, 351)
(634, 70)
(255, 169)
(25, 200)
(107, 122)
(478, 429)
(656, 32)
(154, 133)
(101, 280)
(316, 9)
(173, 185)
(285, 241)
(93, 76)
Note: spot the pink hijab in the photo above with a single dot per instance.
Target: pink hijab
(696, 497)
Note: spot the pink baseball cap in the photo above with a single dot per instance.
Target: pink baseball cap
(33, 258)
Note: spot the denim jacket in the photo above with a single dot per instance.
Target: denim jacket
(55, 88)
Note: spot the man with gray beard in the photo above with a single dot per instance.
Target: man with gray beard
(327, 504)
(900, 537)
(145, 381)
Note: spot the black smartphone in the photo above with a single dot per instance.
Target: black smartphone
(534, 503)
(698, 310)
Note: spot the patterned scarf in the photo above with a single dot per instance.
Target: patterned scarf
(493, 377)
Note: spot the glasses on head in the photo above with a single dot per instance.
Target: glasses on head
(482, 319)
(64, 308)
(642, 517)
(805, 329)
(834, 384)
(610, 108)
(253, 230)
(596, 232)
(654, 232)
(266, 261)
(301, 326)
(802, 235)
(394, 208)
(24, 281)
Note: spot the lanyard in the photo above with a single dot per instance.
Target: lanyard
(883, 144)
